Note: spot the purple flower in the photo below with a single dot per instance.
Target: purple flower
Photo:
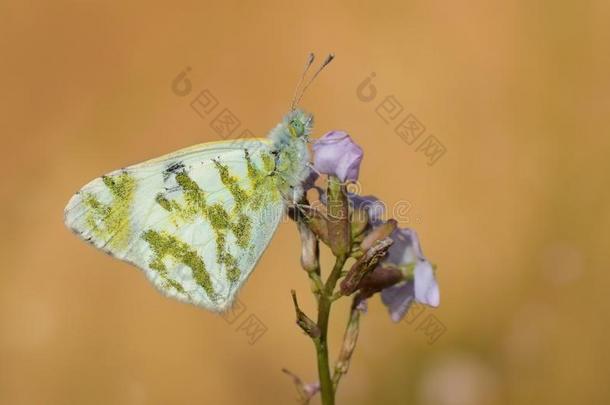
(398, 299)
(420, 284)
(337, 154)
(374, 207)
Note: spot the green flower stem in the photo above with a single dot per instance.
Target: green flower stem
(317, 284)
(326, 383)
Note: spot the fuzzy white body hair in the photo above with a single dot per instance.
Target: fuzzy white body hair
(289, 145)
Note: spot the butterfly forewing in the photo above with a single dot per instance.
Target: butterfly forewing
(195, 221)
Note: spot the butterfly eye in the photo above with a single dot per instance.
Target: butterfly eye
(298, 127)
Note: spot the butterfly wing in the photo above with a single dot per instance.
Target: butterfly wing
(195, 221)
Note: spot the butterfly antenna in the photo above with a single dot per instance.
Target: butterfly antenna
(310, 60)
(329, 59)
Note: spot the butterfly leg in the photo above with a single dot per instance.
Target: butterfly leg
(313, 168)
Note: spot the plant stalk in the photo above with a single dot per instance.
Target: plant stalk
(327, 391)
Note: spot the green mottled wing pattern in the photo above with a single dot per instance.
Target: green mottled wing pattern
(195, 221)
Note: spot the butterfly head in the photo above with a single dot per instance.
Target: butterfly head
(299, 124)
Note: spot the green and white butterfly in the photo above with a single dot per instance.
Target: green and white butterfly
(197, 221)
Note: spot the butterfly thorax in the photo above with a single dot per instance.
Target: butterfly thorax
(289, 146)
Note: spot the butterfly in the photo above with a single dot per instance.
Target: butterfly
(197, 221)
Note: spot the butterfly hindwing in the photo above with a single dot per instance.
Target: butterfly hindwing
(195, 221)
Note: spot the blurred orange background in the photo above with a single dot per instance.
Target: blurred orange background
(515, 213)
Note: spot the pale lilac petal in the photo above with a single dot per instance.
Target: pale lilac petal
(421, 287)
(337, 154)
(406, 248)
(398, 299)
(426, 287)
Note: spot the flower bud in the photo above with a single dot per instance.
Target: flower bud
(381, 232)
(339, 236)
(304, 322)
(359, 220)
(336, 154)
(317, 223)
(309, 248)
(364, 265)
